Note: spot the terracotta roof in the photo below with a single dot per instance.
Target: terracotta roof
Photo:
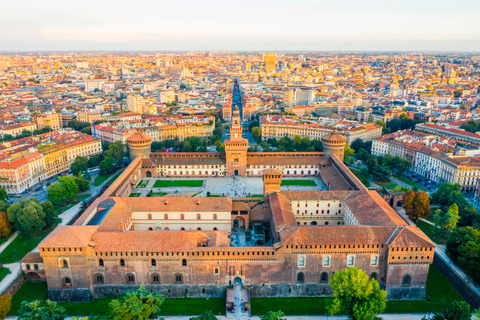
(410, 236)
(69, 236)
(138, 137)
(334, 136)
(282, 212)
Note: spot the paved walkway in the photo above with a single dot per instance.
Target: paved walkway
(12, 237)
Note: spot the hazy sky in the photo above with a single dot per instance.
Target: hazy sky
(408, 25)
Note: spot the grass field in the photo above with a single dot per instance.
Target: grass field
(439, 295)
(410, 182)
(5, 239)
(22, 245)
(178, 183)
(362, 176)
(428, 230)
(31, 291)
(133, 195)
(298, 183)
(142, 184)
(101, 179)
(3, 273)
(157, 194)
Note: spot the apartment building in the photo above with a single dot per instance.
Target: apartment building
(53, 120)
(16, 129)
(88, 115)
(135, 103)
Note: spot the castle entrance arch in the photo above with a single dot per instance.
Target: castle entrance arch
(235, 172)
(239, 222)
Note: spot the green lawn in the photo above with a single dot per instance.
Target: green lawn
(134, 195)
(410, 182)
(439, 295)
(110, 181)
(3, 273)
(298, 183)
(390, 185)
(22, 245)
(362, 176)
(428, 230)
(29, 291)
(100, 179)
(157, 194)
(142, 184)
(192, 306)
(5, 239)
(178, 183)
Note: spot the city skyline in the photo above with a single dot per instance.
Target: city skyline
(247, 26)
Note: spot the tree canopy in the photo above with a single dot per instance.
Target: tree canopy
(80, 164)
(416, 204)
(355, 295)
(41, 310)
(28, 216)
(136, 304)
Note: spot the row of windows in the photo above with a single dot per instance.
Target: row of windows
(182, 216)
(350, 260)
(121, 263)
(323, 212)
(182, 228)
(318, 205)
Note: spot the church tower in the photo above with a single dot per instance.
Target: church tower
(236, 148)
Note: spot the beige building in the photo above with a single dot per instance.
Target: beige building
(135, 103)
(87, 115)
(52, 120)
(16, 129)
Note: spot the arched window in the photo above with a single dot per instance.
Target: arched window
(122, 263)
(130, 278)
(178, 278)
(215, 228)
(301, 261)
(199, 217)
(165, 216)
(166, 229)
(182, 228)
(67, 282)
(182, 217)
(326, 223)
(326, 261)
(374, 261)
(374, 276)
(149, 216)
(64, 264)
(153, 263)
(99, 278)
(407, 280)
(155, 278)
(184, 262)
(214, 216)
(199, 228)
(300, 277)
(150, 229)
(324, 277)
(100, 263)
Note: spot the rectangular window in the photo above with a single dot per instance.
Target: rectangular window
(326, 261)
(350, 260)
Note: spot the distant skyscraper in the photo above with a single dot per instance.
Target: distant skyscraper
(270, 62)
(288, 97)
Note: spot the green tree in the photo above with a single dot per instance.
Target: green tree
(187, 146)
(256, 133)
(82, 183)
(271, 315)
(221, 147)
(362, 154)
(106, 166)
(56, 194)
(27, 215)
(50, 214)
(265, 146)
(381, 173)
(69, 185)
(207, 315)
(95, 160)
(358, 144)
(80, 164)
(416, 204)
(3, 194)
(457, 310)
(41, 310)
(348, 153)
(136, 304)
(116, 151)
(446, 220)
(297, 142)
(355, 295)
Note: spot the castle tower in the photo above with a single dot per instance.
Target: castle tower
(139, 144)
(334, 143)
(236, 148)
(272, 180)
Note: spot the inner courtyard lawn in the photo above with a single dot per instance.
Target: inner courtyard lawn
(298, 183)
(178, 183)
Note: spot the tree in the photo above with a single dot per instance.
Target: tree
(416, 204)
(3, 194)
(27, 215)
(5, 305)
(116, 151)
(221, 147)
(447, 221)
(69, 186)
(265, 146)
(207, 315)
(349, 152)
(40, 310)
(279, 315)
(253, 123)
(82, 183)
(106, 166)
(79, 165)
(362, 154)
(256, 133)
(381, 173)
(95, 160)
(5, 225)
(401, 164)
(358, 144)
(50, 214)
(355, 295)
(457, 310)
(136, 304)
(56, 194)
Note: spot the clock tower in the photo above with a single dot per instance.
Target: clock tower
(236, 148)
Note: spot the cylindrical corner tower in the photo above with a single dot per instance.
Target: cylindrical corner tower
(334, 143)
(139, 144)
